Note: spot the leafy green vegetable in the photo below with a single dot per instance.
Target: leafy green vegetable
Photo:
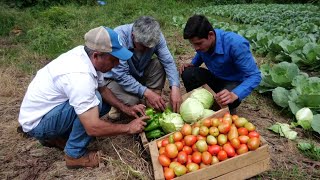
(191, 110)
(203, 96)
(310, 150)
(171, 122)
(315, 124)
(304, 117)
(207, 113)
(284, 130)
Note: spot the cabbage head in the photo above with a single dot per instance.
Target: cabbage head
(191, 110)
(203, 96)
(207, 113)
(304, 117)
(171, 122)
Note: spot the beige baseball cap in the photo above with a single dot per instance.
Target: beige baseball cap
(104, 39)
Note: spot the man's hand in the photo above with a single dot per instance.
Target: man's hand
(135, 110)
(155, 100)
(183, 66)
(175, 98)
(137, 125)
(225, 97)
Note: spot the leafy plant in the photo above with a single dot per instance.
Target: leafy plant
(310, 150)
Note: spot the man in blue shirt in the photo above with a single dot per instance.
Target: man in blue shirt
(231, 69)
(142, 75)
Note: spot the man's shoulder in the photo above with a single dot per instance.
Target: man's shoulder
(123, 28)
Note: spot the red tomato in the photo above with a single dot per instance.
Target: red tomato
(201, 137)
(214, 149)
(171, 150)
(186, 130)
(249, 126)
(254, 134)
(177, 136)
(215, 160)
(192, 167)
(194, 148)
(229, 150)
(243, 131)
(222, 139)
(207, 122)
(159, 144)
(253, 143)
(202, 145)
(196, 124)
(204, 130)
(190, 140)
(222, 155)
(214, 131)
(215, 122)
(187, 149)
(169, 173)
(235, 143)
(195, 131)
(224, 127)
(206, 158)
(180, 170)
(234, 117)
(243, 139)
(164, 142)
(189, 160)
(164, 160)
(182, 157)
(179, 145)
(196, 157)
(174, 164)
(242, 149)
(162, 150)
(228, 119)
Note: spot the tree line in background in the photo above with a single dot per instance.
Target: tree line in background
(47, 3)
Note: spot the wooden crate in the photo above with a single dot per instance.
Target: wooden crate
(243, 166)
(222, 110)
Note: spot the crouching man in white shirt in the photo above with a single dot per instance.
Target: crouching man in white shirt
(64, 102)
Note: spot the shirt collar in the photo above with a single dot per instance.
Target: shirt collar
(130, 41)
(219, 48)
(88, 61)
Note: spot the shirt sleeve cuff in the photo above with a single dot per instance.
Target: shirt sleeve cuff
(141, 91)
(175, 84)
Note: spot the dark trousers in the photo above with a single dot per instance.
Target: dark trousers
(194, 77)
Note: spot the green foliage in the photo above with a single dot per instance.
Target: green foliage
(310, 150)
(58, 16)
(7, 21)
(48, 41)
(46, 3)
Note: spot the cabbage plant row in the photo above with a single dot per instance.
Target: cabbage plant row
(283, 32)
(290, 36)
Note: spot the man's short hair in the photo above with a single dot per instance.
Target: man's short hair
(197, 26)
(146, 30)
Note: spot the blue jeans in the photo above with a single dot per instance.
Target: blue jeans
(62, 121)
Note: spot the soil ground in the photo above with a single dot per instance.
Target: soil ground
(124, 157)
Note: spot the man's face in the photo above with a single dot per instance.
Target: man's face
(105, 62)
(203, 44)
(140, 47)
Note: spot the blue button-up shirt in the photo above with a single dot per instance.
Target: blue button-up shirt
(231, 60)
(127, 72)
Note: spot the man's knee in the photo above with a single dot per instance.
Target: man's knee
(187, 74)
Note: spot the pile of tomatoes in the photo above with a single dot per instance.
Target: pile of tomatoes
(205, 143)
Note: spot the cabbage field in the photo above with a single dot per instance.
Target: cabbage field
(289, 37)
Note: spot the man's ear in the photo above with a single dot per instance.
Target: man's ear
(211, 34)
